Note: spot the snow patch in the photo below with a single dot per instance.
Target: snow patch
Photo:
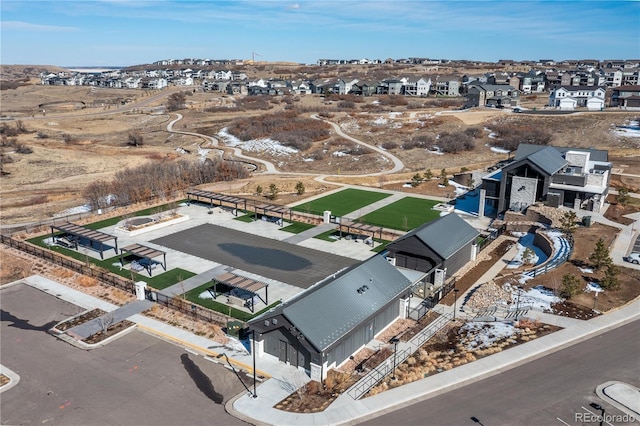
(480, 335)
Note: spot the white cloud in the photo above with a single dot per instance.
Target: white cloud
(294, 6)
(20, 25)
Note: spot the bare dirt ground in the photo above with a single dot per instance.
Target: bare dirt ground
(73, 146)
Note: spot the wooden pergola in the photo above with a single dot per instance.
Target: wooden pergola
(247, 284)
(360, 228)
(218, 198)
(144, 252)
(77, 232)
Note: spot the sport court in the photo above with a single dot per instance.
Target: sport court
(295, 265)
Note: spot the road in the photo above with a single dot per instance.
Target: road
(548, 391)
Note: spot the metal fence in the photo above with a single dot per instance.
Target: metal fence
(375, 376)
(175, 303)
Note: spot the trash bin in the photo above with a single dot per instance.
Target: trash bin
(586, 221)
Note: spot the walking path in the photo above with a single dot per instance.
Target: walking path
(90, 328)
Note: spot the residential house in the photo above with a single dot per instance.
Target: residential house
(627, 97)
(559, 176)
(210, 85)
(390, 86)
(365, 88)
(344, 85)
(571, 97)
(446, 86)
(502, 95)
(416, 86)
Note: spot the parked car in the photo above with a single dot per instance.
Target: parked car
(633, 258)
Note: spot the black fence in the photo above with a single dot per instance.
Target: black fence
(175, 303)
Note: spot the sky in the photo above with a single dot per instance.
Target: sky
(104, 33)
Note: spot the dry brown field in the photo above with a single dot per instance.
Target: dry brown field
(82, 137)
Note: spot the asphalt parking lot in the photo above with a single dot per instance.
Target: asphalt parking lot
(137, 379)
(292, 264)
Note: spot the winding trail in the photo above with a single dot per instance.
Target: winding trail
(270, 168)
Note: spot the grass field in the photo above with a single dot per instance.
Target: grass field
(297, 227)
(404, 215)
(341, 203)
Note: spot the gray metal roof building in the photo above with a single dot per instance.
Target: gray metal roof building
(323, 326)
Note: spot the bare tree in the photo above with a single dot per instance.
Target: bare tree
(105, 321)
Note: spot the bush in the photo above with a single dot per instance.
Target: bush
(24, 149)
(474, 132)
(422, 141)
(135, 139)
(389, 145)
(509, 136)
(454, 143)
(570, 286)
(286, 127)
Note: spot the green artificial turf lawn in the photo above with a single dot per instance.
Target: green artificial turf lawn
(341, 203)
(404, 215)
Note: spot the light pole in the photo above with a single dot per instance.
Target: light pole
(595, 300)
(455, 298)
(395, 341)
(253, 352)
(236, 372)
(599, 407)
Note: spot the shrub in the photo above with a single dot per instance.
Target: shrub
(389, 145)
(454, 143)
(570, 286)
(24, 149)
(509, 136)
(135, 139)
(474, 132)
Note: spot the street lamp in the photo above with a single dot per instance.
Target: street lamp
(455, 298)
(601, 409)
(253, 352)
(237, 374)
(395, 341)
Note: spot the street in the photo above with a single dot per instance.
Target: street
(549, 391)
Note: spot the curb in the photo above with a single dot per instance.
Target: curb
(601, 392)
(14, 378)
(490, 373)
(200, 349)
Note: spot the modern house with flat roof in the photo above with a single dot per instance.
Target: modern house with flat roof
(559, 176)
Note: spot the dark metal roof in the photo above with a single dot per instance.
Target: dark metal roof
(548, 159)
(81, 231)
(445, 235)
(526, 150)
(327, 312)
(143, 251)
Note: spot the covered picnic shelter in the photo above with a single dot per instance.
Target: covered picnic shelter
(272, 210)
(77, 232)
(218, 198)
(147, 253)
(247, 285)
(359, 228)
